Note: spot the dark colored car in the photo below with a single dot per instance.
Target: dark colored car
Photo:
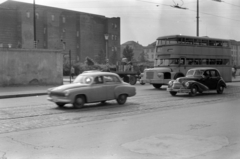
(198, 80)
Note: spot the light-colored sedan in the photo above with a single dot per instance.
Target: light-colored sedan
(90, 88)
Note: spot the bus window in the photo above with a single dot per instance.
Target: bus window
(189, 61)
(204, 61)
(212, 61)
(225, 61)
(182, 61)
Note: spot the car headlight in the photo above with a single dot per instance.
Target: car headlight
(170, 83)
(66, 93)
(186, 84)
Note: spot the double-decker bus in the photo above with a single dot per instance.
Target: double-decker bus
(176, 54)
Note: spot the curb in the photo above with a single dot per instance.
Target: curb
(21, 95)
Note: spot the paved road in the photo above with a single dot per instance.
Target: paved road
(151, 125)
(17, 114)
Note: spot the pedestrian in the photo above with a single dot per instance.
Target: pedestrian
(72, 72)
(233, 72)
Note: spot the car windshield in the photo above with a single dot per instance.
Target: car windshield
(195, 73)
(83, 79)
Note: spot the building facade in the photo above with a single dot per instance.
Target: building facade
(82, 34)
(235, 52)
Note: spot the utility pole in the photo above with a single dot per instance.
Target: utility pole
(70, 65)
(197, 17)
(34, 25)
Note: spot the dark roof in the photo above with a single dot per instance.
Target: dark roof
(187, 36)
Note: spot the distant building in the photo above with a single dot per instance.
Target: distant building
(57, 28)
(235, 52)
(150, 52)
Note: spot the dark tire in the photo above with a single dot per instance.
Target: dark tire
(126, 79)
(79, 101)
(103, 102)
(142, 83)
(60, 105)
(157, 86)
(193, 91)
(173, 93)
(122, 98)
(132, 80)
(220, 89)
(177, 75)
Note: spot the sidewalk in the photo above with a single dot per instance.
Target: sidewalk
(25, 91)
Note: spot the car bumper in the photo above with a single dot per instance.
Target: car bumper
(182, 90)
(155, 81)
(58, 99)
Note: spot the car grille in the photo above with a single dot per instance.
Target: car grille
(176, 86)
(150, 75)
(61, 94)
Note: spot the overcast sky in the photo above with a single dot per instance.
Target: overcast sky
(145, 20)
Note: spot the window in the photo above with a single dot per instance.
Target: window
(44, 30)
(63, 19)
(77, 33)
(37, 15)
(112, 37)
(53, 17)
(111, 79)
(28, 14)
(98, 80)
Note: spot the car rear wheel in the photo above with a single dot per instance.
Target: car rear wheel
(173, 93)
(193, 91)
(122, 98)
(220, 89)
(60, 105)
(79, 101)
(157, 86)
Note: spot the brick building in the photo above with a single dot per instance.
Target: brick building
(56, 28)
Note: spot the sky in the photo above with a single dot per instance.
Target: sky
(144, 21)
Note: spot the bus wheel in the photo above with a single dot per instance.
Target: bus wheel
(173, 93)
(177, 75)
(132, 80)
(157, 86)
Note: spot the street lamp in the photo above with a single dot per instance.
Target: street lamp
(106, 38)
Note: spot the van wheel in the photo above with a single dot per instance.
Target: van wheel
(132, 80)
(79, 101)
(157, 86)
(173, 93)
(122, 98)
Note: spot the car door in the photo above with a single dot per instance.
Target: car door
(111, 82)
(214, 78)
(98, 90)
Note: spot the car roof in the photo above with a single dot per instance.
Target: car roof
(203, 68)
(99, 73)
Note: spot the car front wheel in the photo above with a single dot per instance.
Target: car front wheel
(79, 102)
(193, 91)
(60, 105)
(122, 98)
(220, 89)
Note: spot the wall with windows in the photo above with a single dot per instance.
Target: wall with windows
(56, 28)
(8, 29)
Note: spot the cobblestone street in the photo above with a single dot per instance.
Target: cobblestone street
(25, 116)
